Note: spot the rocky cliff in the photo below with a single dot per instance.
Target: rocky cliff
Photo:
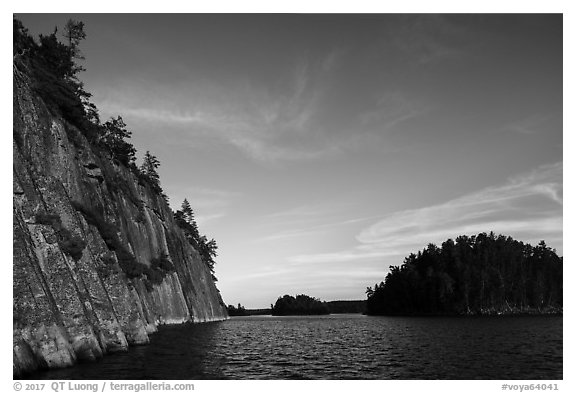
(73, 299)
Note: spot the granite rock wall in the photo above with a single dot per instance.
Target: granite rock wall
(68, 308)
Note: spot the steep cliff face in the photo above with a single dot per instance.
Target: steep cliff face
(72, 300)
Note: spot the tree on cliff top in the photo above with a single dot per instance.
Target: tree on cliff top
(187, 212)
(53, 69)
(185, 220)
(114, 136)
(206, 248)
(149, 167)
(74, 33)
(208, 251)
(22, 42)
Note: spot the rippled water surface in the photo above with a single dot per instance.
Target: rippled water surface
(341, 347)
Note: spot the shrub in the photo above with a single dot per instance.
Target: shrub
(108, 260)
(129, 264)
(47, 219)
(140, 217)
(108, 232)
(155, 276)
(159, 268)
(69, 243)
(107, 266)
(149, 286)
(162, 263)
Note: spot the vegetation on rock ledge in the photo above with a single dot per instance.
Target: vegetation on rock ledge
(51, 63)
(53, 68)
(206, 248)
(154, 274)
(69, 243)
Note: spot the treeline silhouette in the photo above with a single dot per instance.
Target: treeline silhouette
(483, 274)
(299, 305)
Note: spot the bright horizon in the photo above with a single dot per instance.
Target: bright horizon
(318, 150)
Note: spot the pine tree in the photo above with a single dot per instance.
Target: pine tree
(187, 211)
(149, 168)
(113, 136)
(207, 250)
(74, 33)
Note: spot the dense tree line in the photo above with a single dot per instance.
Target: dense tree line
(483, 274)
(299, 305)
(206, 248)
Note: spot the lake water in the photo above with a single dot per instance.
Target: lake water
(349, 346)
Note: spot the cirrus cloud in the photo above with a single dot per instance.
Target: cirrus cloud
(527, 207)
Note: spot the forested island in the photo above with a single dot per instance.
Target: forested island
(241, 311)
(299, 305)
(477, 275)
(334, 307)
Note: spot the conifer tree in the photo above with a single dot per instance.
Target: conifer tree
(187, 211)
(74, 33)
(149, 168)
(485, 274)
(113, 136)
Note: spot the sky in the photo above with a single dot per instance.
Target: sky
(318, 150)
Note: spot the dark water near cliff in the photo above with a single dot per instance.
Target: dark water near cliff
(341, 347)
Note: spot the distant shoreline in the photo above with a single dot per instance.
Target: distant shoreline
(487, 313)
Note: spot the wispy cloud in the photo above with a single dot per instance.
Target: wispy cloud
(304, 211)
(268, 123)
(208, 204)
(532, 125)
(306, 220)
(527, 207)
(260, 273)
(310, 230)
(428, 38)
(391, 109)
(204, 218)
